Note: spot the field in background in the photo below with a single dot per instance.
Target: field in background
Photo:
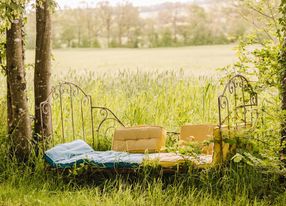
(197, 60)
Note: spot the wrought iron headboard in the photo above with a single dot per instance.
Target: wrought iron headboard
(73, 115)
(237, 105)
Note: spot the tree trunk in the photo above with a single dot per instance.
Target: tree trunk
(119, 37)
(42, 73)
(20, 133)
(282, 60)
(9, 107)
(108, 25)
(79, 38)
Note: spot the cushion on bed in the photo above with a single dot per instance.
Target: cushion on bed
(198, 133)
(221, 139)
(139, 139)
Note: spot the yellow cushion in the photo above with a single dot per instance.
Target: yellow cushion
(139, 139)
(222, 153)
(198, 133)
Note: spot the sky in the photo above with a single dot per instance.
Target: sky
(76, 3)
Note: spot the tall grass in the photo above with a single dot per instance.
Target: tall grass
(166, 98)
(169, 99)
(232, 185)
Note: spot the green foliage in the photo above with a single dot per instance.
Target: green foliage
(260, 64)
(257, 62)
(258, 52)
(123, 26)
(166, 40)
(262, 59)
(282, 34)
(10, 10)
(282, 19)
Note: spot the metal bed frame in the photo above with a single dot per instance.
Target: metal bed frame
(69, 105)
(69, 93)
(237, 103)
(237, 109)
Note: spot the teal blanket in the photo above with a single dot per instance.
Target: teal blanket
(68, 155)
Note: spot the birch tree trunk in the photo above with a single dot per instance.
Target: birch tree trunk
(20, 130)
(42, 73)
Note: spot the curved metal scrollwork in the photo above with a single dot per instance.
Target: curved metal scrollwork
(237, 102)
(73, 115)
(70, 112)
(107, 121)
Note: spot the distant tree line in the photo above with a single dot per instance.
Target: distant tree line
(124, 25)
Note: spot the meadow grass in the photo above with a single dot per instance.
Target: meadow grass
(167, 98)
(232, 185)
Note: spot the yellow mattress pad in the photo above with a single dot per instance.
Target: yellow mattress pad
(174, 159)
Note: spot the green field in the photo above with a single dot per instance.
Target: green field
(194, 60)
(151, 89)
